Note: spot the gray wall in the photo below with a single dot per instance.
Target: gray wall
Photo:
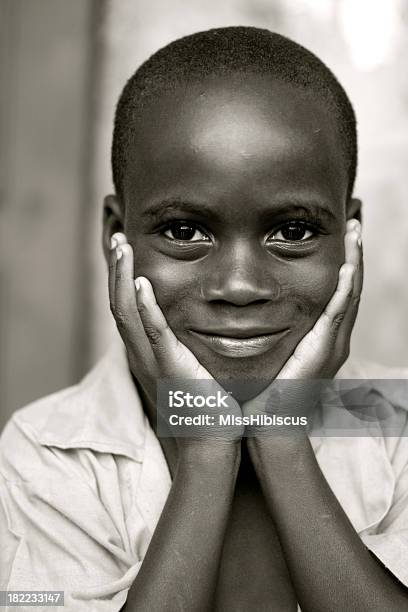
(45, 63)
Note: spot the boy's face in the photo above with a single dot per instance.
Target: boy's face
(219, 177)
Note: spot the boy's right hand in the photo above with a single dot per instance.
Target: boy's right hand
(154, 351)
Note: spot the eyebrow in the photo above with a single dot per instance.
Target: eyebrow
(177, 205)
(287, 206)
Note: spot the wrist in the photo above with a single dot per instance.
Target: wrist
(209, 451)
(279, 448)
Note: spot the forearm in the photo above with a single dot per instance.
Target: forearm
(180, 568)
(330, 567)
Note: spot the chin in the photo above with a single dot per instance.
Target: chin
(251, 374)
(245, 378)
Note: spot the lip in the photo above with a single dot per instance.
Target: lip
(242, 346)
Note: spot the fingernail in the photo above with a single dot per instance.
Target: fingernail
(119, 253)
(137, 284)
(113, 243)
(345, 269)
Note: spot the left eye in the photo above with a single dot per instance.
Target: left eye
(294, 231)
(181, 230)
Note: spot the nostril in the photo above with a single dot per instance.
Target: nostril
(233, 303)
(240, 290)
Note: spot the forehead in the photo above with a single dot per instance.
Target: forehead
(248, 130)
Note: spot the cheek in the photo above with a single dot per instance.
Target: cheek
(307, 287)
(311, 289)
(175, 287)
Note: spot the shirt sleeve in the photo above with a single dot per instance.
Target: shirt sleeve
(8, 539)
(390, 542)
(58, 530)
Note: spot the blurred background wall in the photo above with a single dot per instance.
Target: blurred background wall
(63, 65)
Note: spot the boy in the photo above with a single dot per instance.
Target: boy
(234, 158)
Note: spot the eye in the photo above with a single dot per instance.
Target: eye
(184, 231)
(294, 231)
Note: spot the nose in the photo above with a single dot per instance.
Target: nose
(242, 275)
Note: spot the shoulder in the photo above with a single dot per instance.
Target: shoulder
(391, 382)
(35, 414)
(358, 367)
(20, 448)
(102, 414)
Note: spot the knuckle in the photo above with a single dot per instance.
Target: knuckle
(153, 334)
(337, 320)
(119, 276)
(141, 308)
(112, 270)
(121, 319)
(112, 261)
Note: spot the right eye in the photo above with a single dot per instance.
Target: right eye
(184, 231)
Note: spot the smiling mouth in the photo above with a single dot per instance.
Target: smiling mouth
(240, 347)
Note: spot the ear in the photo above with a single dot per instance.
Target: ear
(354, 209)
(113, 221)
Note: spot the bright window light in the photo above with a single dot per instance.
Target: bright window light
(372, 29)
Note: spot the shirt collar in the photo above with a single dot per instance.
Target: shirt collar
(104, 412)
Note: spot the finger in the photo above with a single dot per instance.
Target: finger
(112, 277)
(354, 255)
(352, 224)
(119, 238)
(315, 348)
(116, 239)
(125, 295)
(320, 343)
(126, 311)
(161, 338)
(328, 324)
(351, 245)
(336, 310)
(174, 358)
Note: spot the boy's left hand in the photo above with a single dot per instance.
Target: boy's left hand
(324, 349)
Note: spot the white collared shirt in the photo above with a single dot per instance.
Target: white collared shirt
(83, 481)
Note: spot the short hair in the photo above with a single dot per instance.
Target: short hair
(225, 51)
